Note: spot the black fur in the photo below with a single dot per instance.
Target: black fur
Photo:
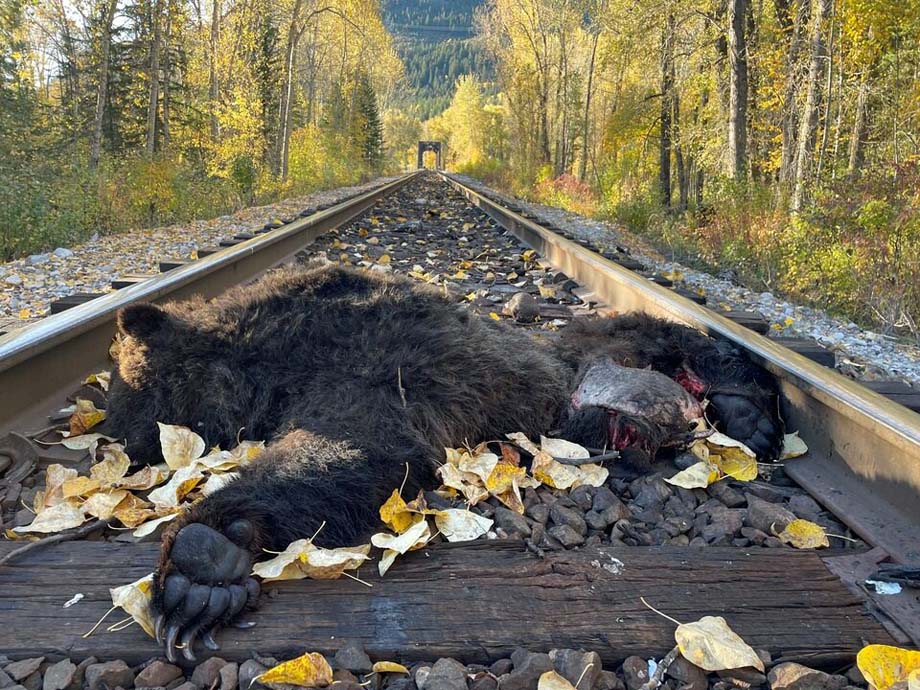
(353, 378)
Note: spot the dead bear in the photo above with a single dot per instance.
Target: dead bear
(352, 376)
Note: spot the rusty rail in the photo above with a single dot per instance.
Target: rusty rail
(864, 450)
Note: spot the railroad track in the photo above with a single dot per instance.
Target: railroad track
(864, 459)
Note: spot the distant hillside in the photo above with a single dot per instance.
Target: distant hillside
(435, 40)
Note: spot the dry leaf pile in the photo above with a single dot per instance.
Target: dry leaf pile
(141, 500)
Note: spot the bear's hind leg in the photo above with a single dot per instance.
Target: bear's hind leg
(301, 485)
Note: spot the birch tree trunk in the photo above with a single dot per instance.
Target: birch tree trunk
(860, 125)
(105, 44)
(154, 76)
(790, 92)
(808, 124)
(583, 164)
(667, 88)
(213, 81)
(738, 89)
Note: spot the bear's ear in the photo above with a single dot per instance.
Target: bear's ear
(142, 321)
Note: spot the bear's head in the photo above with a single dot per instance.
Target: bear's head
(171, 369)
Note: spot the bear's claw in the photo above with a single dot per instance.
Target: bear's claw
(207, 585)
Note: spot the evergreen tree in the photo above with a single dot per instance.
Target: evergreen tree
(367, 127)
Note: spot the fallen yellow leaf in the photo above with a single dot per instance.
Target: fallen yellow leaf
(181, 446)
(803, 534)
(553, 681)
(883, 666)
(303, 559)
(395, 514)
(308, 670)
(713, 646)
(560, 448)
(85, 417)
(57, 518)
(461, 525)
(101, 379)
(413, 538)
(697, 476)
(135, 598)
(114, 465)
(793, 446)
(180, 484)
(389, 667)
(80, 486)
(102, 504)
(145, 528)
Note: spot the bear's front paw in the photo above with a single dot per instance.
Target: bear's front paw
(206, 585)
(744, 420)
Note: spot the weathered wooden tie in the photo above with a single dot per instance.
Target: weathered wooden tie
(71, 301)
(476, 602)
(170, 264)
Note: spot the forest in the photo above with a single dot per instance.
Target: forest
(129, 113)
(779, 139)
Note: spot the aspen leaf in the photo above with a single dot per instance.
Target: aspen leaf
(102, 504)
(481, 464)
(733, 458)
(85, 442)
(697, 476)
(247, 451)
(455, 479)
(80, 486)
(395, 513)
(179, 485)
(503, 476)
(883, 666)
(793, 446)
(389, 667)
(181, 446)
(494, 316)
(55, 477)
(85, 417)
(216, 482)
(803, 534)
(303, 559)
(560, 448)
(309, 670)
(461, 525)
(143, 479)
(592, 474)
(387, 558)
(553, 681)
(552, 472)
(135, 598)
(413, 538)
(114, 465)
(101, 379)
(329, 564)
(735, 464)
(57, 518)
(218, 461)
(713, 646)
(520, 439)
(150, 526)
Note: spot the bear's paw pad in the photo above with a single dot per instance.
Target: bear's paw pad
(207, 586)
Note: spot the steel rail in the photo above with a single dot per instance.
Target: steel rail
(864, 450)
(53, 355)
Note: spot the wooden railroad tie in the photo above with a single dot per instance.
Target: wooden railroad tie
(476, 602)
